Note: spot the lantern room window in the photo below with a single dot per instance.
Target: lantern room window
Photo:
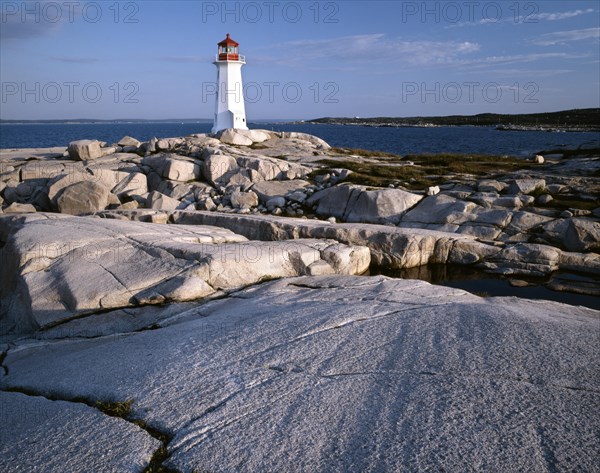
(228, 50)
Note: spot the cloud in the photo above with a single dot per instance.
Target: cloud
(529, 72)
(560, 37)
(557, 16)
(525, 19)
(371, 49)
(33, 19)
(495, 61)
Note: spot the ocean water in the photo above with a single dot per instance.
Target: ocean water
(476, 140)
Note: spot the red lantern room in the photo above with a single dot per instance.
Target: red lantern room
(228, 50)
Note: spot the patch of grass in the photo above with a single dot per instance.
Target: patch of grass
(568, 202)
(367, 153)
(115, 409)
(257, 146)
(428, 169)
(538, 191)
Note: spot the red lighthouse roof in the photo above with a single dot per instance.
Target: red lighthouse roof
(227, 42)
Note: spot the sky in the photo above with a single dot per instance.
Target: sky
(304, 59)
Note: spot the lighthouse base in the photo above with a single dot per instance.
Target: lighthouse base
(229, 119)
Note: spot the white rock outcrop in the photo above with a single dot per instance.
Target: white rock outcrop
(57, 267)
(327, 373)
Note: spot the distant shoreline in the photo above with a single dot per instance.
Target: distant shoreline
(580, 120)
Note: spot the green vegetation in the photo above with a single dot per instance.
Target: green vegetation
(115, 409)
(365, 153)
(565, 202)
(428, 169)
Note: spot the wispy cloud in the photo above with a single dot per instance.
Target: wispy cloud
(515, 72)
(34, 19)
(372, 48)
(560, 37)
(558, 16)
(488, 62)
(525, 19)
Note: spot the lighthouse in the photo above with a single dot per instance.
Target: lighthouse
(229, 110)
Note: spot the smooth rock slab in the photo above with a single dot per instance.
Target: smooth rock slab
(56, 268)
(40, 435)
(348, 374)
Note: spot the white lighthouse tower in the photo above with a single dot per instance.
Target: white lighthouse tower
(229, 110)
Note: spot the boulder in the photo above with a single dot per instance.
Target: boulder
(129, 141)
(83, 197)
(526, 186)
(151, 146)
(490, 185)
(573, 234)
(181, 170)
(523, 222)
(297, 196)
(133, 184)
(240, 200)
(15, 207)
(266, 190)
(538, 159)
(272, 168)
(317, 142)
(216, 166)
(166, 144)
(275, 202)
(582, 235)
(108, 150)
(524, 259)
(84, 150)
(544, 199)
(158, 201)
(439, 209)
(234, 136)
(432, 190)
(379, 206)
(353, 203)
(257, 136)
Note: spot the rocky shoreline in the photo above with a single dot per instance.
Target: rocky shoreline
(523, 223)
(202, 297)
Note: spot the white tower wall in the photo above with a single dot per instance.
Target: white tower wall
(230, 111)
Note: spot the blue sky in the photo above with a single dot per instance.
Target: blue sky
(305, 59)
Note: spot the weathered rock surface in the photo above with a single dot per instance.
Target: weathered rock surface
(83, 197)
(391, 247)
(574, 234)
(340, 374)
(267, 190)
(49, 436)
(358, 204)
(83, 150)
(58, 267)
(203, 172)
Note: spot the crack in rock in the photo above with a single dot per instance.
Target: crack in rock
(120, 411)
